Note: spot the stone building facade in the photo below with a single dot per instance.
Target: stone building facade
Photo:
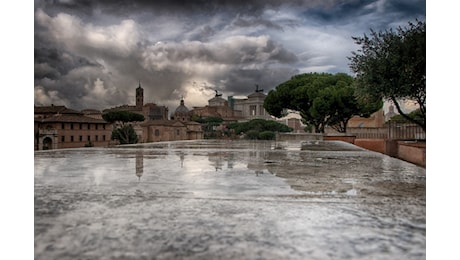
(180, 127)
(217, 107)
(251, 107)
(376, 120)
(150, 111)
(170, 130)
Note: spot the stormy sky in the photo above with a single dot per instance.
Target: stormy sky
(92, 54)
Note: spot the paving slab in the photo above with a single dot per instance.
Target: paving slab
(224, 199)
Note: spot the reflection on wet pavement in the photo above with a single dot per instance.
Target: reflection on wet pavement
(228, 200)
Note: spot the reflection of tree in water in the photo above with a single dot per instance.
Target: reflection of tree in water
(139, 164)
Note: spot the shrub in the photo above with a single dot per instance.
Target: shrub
(267, 135)
(252, 134)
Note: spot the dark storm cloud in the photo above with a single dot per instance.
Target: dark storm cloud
(94, 53)
(243, 81)
(53, 63)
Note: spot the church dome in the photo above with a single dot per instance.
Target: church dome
(181, 108)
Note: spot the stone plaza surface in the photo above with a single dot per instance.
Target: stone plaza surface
(212, 199)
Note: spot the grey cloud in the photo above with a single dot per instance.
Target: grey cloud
(237, 50)
(44, 70)
(379, 13)
(250, 22)
(242, 82)
(167, 45)
(175, 7)
(52, 63)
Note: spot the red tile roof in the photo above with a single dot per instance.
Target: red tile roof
(54, 110)
(72, 118)
(163, 123)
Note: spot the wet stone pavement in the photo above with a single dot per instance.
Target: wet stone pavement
(211, 199)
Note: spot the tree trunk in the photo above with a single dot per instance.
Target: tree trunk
(421, 124)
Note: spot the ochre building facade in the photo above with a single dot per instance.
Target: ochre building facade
(57, 127)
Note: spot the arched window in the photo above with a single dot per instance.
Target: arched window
(157, 132)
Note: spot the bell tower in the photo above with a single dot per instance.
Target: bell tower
(139, 96)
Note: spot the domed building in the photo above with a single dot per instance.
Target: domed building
(181, 113)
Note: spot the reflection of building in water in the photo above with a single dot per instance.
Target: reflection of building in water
(139, 165)
(181, 157)
(257, 166)
(216, 160)
(230, 161)
(256, 161)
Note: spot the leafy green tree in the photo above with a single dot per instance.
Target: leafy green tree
(125, 134)
(208, 124)
(124, 131)
(414, 114)
(267, 135)
(259, 128)
(392, 65)
(322, 99)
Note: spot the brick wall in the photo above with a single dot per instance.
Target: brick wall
(412, 152)
(376, 145)
(345, 138)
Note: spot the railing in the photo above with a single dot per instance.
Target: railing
(391, 131)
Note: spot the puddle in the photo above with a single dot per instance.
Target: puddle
(243, 199)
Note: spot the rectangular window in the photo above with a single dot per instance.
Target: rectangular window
(103, 137)
(71, 125)
(62, 138)
(252, 110)
(81, 138)
(177, 132)
(89, 138)
(71, 138)
(62, 125)
(97, 138)
(88, 126)
(261, 110)
(81, 126)
(96, 127)
(103, 126)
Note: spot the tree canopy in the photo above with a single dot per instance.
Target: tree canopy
(259, 128)
(392, 65)
(400, 119)
(123, 130)
(122, 117)
(323, 99)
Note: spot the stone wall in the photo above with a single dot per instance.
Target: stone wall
(298, 137)
(408, 151)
